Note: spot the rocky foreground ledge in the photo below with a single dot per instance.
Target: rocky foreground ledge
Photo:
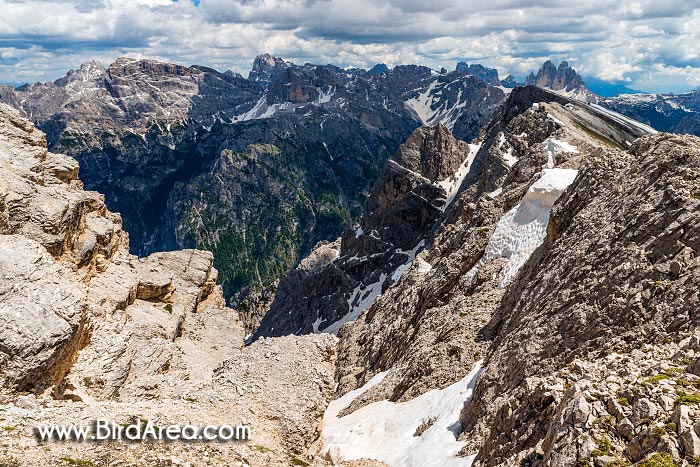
(89, 331)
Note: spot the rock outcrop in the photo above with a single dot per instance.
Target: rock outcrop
(638, 285)
(90, 331)
(488, 75)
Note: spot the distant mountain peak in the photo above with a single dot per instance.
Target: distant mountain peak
(562, 79)
(378, 69)
(488, 75)
(556, 78)
(266, 67)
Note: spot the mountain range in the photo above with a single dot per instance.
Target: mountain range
(256, 170)
(259, 170)
(528, 298)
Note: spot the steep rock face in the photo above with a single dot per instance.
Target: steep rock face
(424, 336)
(90, 331)
(433, 313)
(555, 78)
(266, 68)
(562, 79)
(340, 280)
(638, 285)
(294, 150)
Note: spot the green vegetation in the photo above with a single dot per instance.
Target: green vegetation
(687, 399)
(682, 382)
(659, 432)
(79, 462)
(618, 463)
(189, 399)
(169, 308)
(606, 422)
(88, 382)
(671, 427)
(297, 461)
(660, 459)
(604, 447)
(656, 378)
(623, 401)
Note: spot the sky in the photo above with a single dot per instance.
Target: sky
(649, 45)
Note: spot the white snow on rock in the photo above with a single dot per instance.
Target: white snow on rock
(430, 111)
(366, 296)
(496, 192)
(422, 104)
(324, 96)
(522, 229)
(385, 430)
(555, 146)
(452, 184)
(263, 110)
(508, 156)
(411, 256)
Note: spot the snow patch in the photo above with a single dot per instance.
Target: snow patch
(522, 229)
(366, 296)
(555, 146)
(411, 256)
(385, 430)
(495, 192)
(452, 184)
(422, 104)
(317, 323)
(262, 110)
(555, 120)
(325, 97)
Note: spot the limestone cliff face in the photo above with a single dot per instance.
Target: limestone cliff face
(618, 269)
(562, 79)
(88, 330)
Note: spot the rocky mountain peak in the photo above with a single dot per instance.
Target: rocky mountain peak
(432, 152)
(509, 82)
(556, 78)
(125, 67)
(266, 67)
(488, 75)
(88, 72)
(378, 69)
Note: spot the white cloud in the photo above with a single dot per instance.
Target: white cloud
(623, 41)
